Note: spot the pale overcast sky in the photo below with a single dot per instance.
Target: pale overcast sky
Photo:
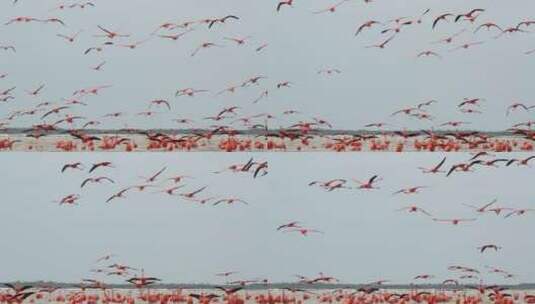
(365, 237)
(373, 83)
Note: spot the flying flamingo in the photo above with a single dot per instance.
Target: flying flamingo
(414, 209)
(329, 71)
(21, 19)
(423, 277)
(453, 221)
(449, 39)
(70, 39)
(204, 45)
(489, 246)
(435, 169)
(135, 45)
(470, 16)
(153, 178)
(488, 26)
(369, 184)
(463, 167)
(519, 212)
(99, 66)
(305, 231)
(188, 92)
(55, 110)
(294, 224)
(520, 162)
(510, 30)
(119, 194)
(284, 2)
(76, 165)
(330, 9)
(226, 274)
(175, 37)
(483, 208)
(382, 44)
(229, 291)
(441, 17)
(330, 185)
(428, 54)
(8, 48)
(222, 20)
(110, 34)
(230, 201)
(105, 258)
(171, 191)
(238, 41)
(191, 195)
(466, 45)
(101, 164)
(69, 199)
(36, 91)
(411, 190)
(470, 101)
(516, 106)
(96, 180)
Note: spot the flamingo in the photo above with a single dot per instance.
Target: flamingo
(470, 16)
(76, 165)
(222, 20)
(519, 212)
(71, 38)
(414, 209)
(119, 194)
(488, 26)
(483, 208)
(153, 178)
(466, 45)
(305, 231)
(191, 195)
(96, 180)
(449, 39)
(369, 184)
(411, 190)
(330, 9)
(99, 66)
(454, 222)
(520, 162)
(204, 45)
(488, 246)
(230, 201)
(518, 105)
(428, 54)
(36, 91)
(110, 34)
(441, 17)
(294, 224)
(101, 164)
(435, 169)
(283, 3)
(382, 44)
(176, 36)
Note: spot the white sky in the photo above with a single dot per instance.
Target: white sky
(373, 84)
(365, 238)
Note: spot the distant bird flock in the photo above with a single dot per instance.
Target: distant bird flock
(32, 119)
(27, 106)
(166, 184)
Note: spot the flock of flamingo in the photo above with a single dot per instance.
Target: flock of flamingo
(367, 294)
(65, 124)
(464, 283)
(40, 116)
